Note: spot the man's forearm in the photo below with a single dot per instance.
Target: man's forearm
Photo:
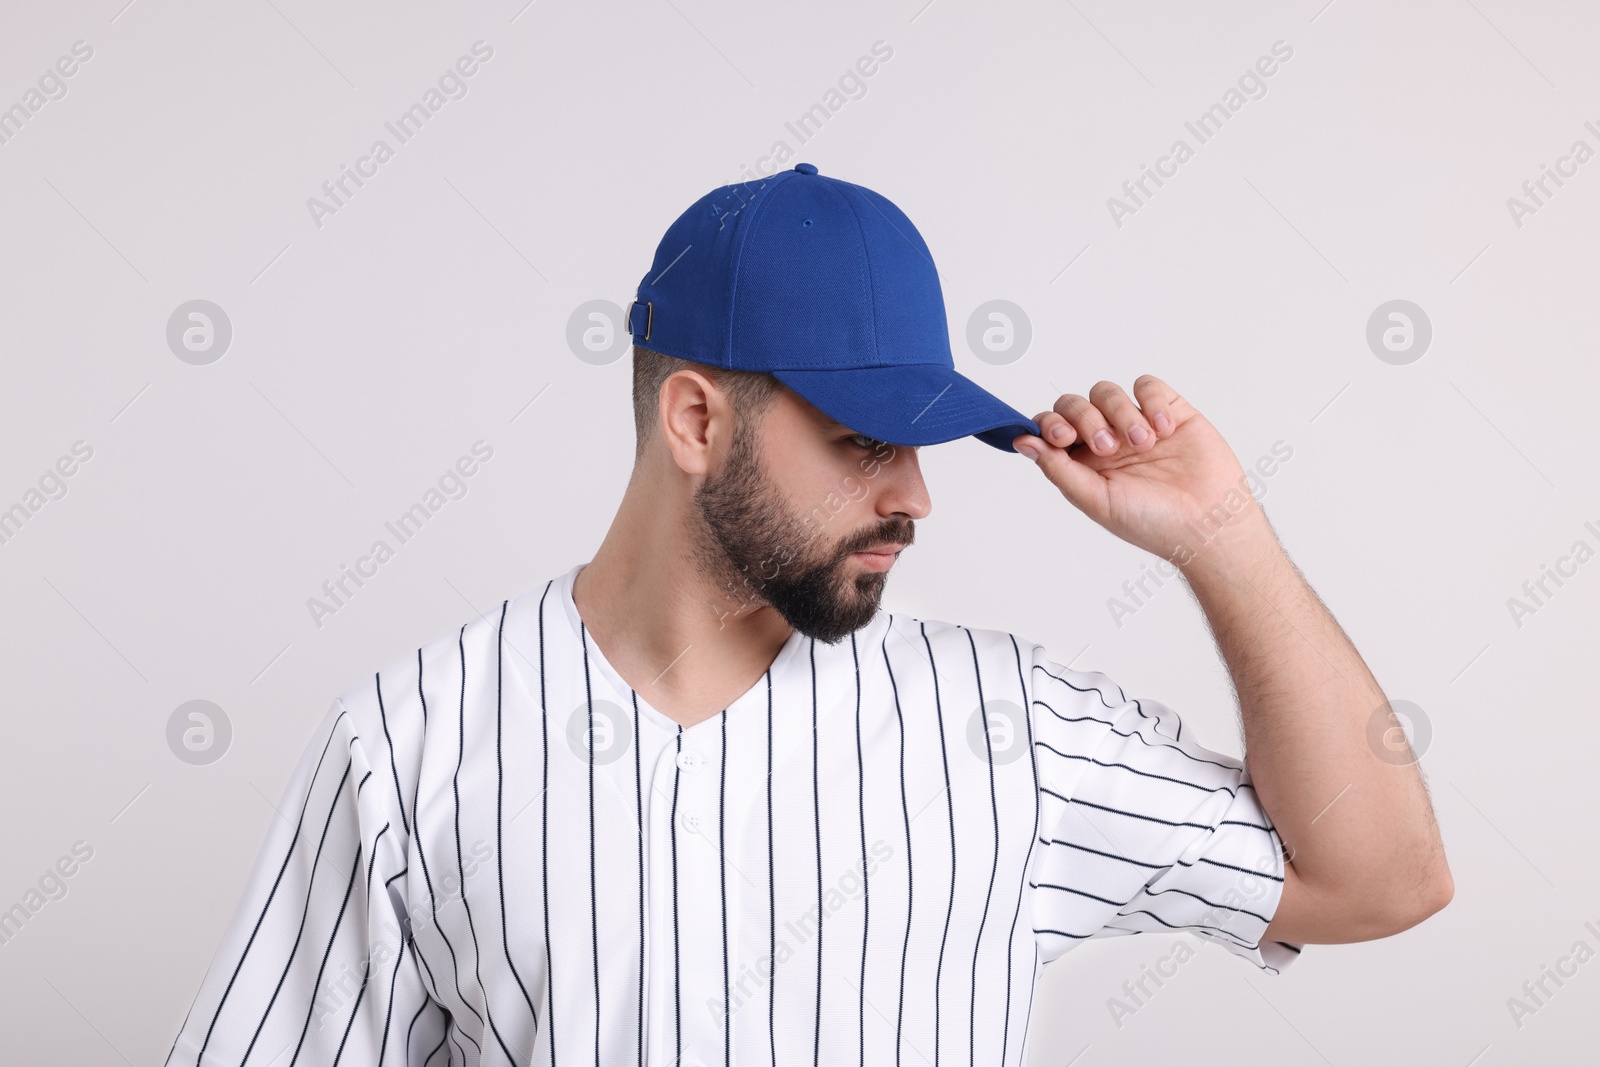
(1358, 828)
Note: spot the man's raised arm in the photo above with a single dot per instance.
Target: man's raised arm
(1365, 857)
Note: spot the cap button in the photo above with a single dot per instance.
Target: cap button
(805, 168)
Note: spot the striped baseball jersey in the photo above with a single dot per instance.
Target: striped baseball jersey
(494, 851)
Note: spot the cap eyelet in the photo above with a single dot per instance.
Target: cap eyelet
(806, 222)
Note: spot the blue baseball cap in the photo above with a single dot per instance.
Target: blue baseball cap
(828, 287)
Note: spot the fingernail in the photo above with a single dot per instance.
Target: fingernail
(1137, 434)
(1029, 451)
(1161, 421)
(1104, 441)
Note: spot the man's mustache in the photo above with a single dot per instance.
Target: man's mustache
(903, 533)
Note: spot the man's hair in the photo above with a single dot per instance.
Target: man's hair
(750, 391)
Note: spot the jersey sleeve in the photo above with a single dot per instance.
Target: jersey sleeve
(1143, 829)
(315, 967)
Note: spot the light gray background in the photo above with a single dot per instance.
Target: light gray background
(369, 353)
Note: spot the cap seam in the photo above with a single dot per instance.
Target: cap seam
(757, 216)
(866, 268)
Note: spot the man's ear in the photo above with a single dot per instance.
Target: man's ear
(695, 421)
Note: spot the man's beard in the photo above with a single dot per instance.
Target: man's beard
(754, 548)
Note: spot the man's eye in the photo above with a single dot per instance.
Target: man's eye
(869, 443)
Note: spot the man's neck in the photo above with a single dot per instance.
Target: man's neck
(685, 644)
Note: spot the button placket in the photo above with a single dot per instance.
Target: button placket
(663, 781)
(695, 812)
(699, 901)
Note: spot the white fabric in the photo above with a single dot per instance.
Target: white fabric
(870, 855)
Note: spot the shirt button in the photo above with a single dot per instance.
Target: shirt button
(688, 761)
(692, 821)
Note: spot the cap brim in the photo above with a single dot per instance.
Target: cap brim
(910, 404)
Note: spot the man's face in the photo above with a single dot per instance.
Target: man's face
(788, 515)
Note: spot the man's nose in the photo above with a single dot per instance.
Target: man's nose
(903, 490)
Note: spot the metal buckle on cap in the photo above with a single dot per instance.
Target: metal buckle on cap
(649, 316)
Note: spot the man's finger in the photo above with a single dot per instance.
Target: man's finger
(1158, 402)
(1082, 487)
(1055, 428)
(1127, 423)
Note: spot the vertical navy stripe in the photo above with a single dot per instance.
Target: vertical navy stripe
(388, 1015)
(416, 791)
(677, 977)
(355, 1008)
(938, 974)
(372, 853)
(437, 1047)
(994, 804)
(544, 837)
(594, 900)
(905, 811)
(866, 897)
(428, 970)
(455, 963)
(1022, 880)
(722, 877)
(1033, 761)
(461, 867)
(377, 684)
(420, 1009)
(416, 786)
(816, 809)
(772, 900)
(638, 804)
(499, 807)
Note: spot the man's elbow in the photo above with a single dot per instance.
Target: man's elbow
(1421, 900)
(1438, 891)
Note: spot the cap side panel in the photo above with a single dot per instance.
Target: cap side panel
(801, 299)
(913, 326)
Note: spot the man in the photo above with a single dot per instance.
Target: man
(702, 801)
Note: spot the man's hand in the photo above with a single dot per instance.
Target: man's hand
(1167, 482)
(1154, 473)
